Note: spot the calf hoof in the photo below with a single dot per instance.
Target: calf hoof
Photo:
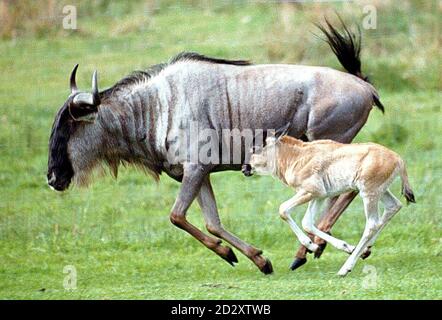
(229, 256)
(343, 272)
(321, 248)
(366, 254)
(298, 262)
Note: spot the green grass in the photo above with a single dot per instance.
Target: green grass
(117, 233)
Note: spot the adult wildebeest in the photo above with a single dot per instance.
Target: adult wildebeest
(142, 117)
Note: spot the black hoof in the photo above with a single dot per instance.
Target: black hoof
(230, 257)
(247, 170)
(321, 248)
(366, 254)
(267, 268)
(298, 262)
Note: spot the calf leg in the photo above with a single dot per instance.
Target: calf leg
(331, 216)
(371, 228)
(206, 200)
(308, 223)
(191, 183)
(336, 207)
(300, 197)
(392, 206)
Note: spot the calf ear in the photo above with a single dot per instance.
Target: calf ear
(274, 135)
(280, 132)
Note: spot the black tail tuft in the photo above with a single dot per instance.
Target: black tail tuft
(409, 195)
(378, 103)
(346, 46)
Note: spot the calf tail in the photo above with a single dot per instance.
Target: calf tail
(347, 48)
(406, 188)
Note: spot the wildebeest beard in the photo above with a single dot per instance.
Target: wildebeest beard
(59, 165)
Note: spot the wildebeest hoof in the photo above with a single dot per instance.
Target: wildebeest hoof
(321, 248)
(263, 264)
(298, 262)
(230, 256)
(267, 268)
(366, 253)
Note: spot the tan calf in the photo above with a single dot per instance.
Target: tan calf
(322, 169)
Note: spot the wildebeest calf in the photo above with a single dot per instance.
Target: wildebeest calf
(322, 169)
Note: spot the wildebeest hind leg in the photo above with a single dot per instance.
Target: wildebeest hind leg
(331, 216)
(207, 202)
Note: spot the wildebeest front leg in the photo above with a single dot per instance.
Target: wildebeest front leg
(191, 184)
(207, 202)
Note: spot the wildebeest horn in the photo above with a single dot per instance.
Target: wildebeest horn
(74, 88)
(95, 92)
(93, 98)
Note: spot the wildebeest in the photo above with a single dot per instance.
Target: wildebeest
(322, 169)
(141, 119)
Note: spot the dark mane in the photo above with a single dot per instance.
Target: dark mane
(145, 75)
(133, 78)
(193, 56)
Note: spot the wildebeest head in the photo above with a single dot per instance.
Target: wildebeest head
(80, 107)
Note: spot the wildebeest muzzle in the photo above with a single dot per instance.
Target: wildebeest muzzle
(247, 170)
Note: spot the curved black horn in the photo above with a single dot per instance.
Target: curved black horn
(72, 80)
(95, 92)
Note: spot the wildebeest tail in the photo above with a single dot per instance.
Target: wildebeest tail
(347, 48)
(406, 188)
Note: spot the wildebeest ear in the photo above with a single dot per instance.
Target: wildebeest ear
(81, 110)
(82, 99)
(93, 98)
(84, 106)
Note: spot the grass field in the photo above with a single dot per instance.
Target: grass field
(117, 233)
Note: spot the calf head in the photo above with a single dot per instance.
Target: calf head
(263, 160)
